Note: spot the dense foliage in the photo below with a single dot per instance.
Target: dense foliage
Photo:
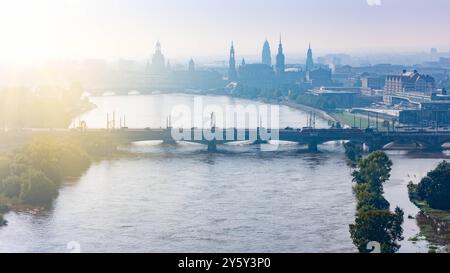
(45, 107)
(353, 151)
(435, 187)
(374, 171)
(3, 209)
(316, 102)
(34, 174)
(374, 221)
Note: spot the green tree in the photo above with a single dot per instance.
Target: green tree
(435, 187)
(5, 164)
(11, 186)
(374, 170)
(374, 221)
(353, 151)
(368, 200)
(37, 189)
(380, 226)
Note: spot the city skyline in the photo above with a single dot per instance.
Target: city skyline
(79, 29)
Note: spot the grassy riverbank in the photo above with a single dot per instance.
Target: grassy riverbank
(358, 120)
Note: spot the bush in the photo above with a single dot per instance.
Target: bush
(3, 208)
(353, 151)
(2, 221)
(435, 187)
(5, 164)
(34, 173)
(37, 189)
(71, 160)
(10, 186)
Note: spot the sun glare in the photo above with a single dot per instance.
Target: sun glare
(34, 30)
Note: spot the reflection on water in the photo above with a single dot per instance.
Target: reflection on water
(183, 199)
(152, 111)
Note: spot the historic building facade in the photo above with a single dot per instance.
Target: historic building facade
(410, 82)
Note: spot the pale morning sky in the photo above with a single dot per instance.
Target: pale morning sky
(111, 29)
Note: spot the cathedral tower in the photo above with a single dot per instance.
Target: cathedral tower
(280, 66)
(266, 54)
(232, 73)
(158, 65)
(309, 59)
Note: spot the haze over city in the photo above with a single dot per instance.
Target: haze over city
(112, 29)
(184, 126)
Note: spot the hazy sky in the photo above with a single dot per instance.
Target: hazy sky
(111, 29)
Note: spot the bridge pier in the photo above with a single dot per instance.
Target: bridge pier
(212, 147)
(312, 147)
(167, 138)
(259, 138)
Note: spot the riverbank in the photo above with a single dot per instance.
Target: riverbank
(292, 104)
(30, 178)
(434, 225)
(431, 196)
(320, 113)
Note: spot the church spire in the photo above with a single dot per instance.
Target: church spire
(232, 74)
(280, 65)
(158, 47)
(309, 59)
(191, 66)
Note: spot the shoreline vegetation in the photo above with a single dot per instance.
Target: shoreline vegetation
(434, 222)
(30, 178)
(322, 109)
(43, 107)
(33, 170)
(432, 197)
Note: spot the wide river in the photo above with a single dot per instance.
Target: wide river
(183, 199)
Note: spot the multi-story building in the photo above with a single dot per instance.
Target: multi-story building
(258, 75)
(431, 113)
(319, 77)
(410, 82)
(373, 82)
